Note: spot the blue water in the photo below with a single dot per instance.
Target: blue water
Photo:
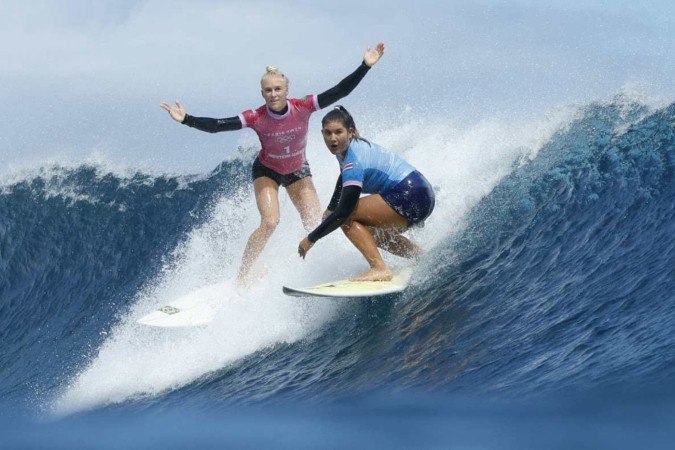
(545, 321)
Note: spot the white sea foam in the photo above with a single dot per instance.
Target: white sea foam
(463, 165)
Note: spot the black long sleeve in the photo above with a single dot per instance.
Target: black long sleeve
(213, 125)
(349, 198)
(332, 204)
(341, 90)
(344, 87)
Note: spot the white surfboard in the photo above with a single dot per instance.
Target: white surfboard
(194, 309)
(354, 289)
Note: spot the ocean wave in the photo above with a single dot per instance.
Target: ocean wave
(556, 276)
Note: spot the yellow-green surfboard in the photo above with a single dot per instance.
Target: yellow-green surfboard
(353, 289)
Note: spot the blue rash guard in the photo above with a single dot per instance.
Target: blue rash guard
(370, 169)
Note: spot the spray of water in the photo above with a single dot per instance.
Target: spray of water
(137, 361)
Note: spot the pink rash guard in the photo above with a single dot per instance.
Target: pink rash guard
(283, 137)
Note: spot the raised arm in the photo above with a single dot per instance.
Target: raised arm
(347, 85)
(207, 124)
(373, 55)
(177, 112)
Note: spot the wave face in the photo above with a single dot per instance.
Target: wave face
(563, 278)
(559, 280)
(75, 246)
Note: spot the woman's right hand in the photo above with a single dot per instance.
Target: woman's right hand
(304, 247)
(177, 112)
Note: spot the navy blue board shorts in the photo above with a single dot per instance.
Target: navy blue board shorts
(413, 198)
(259, 170)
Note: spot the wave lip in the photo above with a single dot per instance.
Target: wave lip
(557, 277)
(562, 277)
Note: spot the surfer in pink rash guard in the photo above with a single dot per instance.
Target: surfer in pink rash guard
(281, 125)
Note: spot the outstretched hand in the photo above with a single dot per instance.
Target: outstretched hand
(372, 56)
(177, 112)
(304, 247)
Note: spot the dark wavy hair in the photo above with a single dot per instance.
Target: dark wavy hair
(340, 114)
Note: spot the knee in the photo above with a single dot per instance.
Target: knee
(269, 224)
(349, 227)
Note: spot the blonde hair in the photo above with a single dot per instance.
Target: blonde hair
(275, 72)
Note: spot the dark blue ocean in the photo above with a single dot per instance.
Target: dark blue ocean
(546, 320)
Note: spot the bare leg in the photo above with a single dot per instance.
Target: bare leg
(372, 211)
(306, 201)
(363, 240)
(396, 244)
(267, 200)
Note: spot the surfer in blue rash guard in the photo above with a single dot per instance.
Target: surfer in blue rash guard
(400, 197)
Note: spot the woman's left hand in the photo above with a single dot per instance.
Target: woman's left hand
(304, 247)
(373, 55)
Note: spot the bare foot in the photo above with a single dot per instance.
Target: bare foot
(374, 275)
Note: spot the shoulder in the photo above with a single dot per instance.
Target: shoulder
(360, 146)
(308, 102)
(351, 160)
(351, 170)
(251, 116)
